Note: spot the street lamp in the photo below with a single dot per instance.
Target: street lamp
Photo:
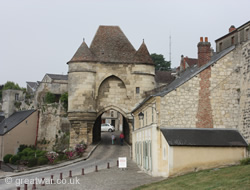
(141, 116)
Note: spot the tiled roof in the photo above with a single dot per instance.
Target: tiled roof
(12, 121)
(142, 55)
(191, 61)
(33, 85)
(83, 54)
(112, 46)
(58, 77)
(203, 137)
(163, 77)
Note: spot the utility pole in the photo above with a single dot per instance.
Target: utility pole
(170, 48)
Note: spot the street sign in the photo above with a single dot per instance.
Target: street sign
(122, 162)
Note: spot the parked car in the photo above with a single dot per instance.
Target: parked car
(107, 127)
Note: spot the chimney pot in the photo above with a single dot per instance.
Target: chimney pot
(206, 39)
(201, 39)
(232, 28)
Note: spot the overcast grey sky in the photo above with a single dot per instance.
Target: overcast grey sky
(40, 36)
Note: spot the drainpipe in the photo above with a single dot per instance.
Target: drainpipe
(131, 150)
(37, 127)
(133, 121)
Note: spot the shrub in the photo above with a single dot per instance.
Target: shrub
(40, 153)
(14, 159)
(52, 156)
(7, 157)
(20, 154)
(64, 100)
(24, 158)
(22, 147)
(245, 161)
(31, 153)
(69, 152)
(26, 151)
(50, 98)
(42, 161)
(80, 148)
(32, 162)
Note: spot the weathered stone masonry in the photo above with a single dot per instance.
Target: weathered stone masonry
(103, 77)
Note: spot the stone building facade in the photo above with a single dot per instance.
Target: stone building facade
(213, 94)
(235, 36)
(110, 74)
(10, 100)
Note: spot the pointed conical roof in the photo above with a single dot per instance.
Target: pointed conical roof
(142, 55)
(111, 45)
(83, 54)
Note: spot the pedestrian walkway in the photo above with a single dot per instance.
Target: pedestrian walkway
(106, 179)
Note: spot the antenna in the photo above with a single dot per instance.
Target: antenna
(170, 47)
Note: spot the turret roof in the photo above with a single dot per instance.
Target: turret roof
(83, 54)
(142, 55)
(111, 45)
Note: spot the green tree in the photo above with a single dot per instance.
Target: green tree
(160, 63)
(50, 98)
(10, 85)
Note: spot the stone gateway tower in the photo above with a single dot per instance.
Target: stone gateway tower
(110, 74)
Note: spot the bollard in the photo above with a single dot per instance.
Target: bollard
(117, 163)
(51, 179)
(108, 165)
(25, 186)
(43, 184)
(70, 173)
(61, 176)
(34, 185)
(96, 169)
(82, 171)
(18, 188)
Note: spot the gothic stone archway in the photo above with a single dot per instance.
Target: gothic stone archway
(105, 75)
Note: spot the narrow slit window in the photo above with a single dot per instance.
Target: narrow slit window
(137, 90)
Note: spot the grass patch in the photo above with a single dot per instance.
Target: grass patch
(235, 177)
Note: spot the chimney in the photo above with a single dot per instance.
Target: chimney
(232, 28)
(204, 52)
(182, 63)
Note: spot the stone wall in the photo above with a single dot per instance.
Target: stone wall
(244, 92)
(179, 107)
(97, 87)
(225, 104)
(225, 87)
(53, 125)
(12, 101)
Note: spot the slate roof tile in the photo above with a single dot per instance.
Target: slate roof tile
(203, 137)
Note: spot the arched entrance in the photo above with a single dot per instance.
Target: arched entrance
(118, 120)
(109, 72)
